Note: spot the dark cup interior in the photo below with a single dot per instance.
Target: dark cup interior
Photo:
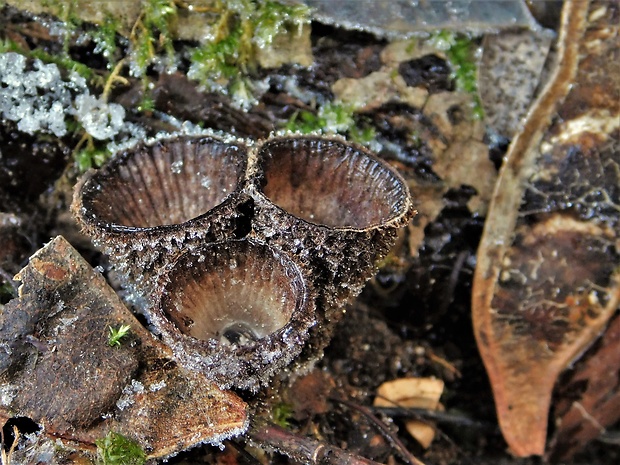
(167, 183)
(330, 182)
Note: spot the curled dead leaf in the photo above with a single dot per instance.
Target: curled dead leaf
(547, 279)
(412, 392)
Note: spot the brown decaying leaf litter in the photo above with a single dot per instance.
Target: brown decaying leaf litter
(545, 293)
(547, 280)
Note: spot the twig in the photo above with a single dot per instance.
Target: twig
(6, 458)
(114, 76)
(247, 457)
(398, 445)
(302, 449)
(426, 414)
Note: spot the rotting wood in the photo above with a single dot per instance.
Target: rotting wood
(302, 449)
(58, 369)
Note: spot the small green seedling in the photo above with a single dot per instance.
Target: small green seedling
(116, 449)
(282, 414)
(115, 336)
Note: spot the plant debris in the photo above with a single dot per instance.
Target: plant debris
(56, 355)
(547, 280)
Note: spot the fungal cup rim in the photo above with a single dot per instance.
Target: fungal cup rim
(88, 183)
(406, 209)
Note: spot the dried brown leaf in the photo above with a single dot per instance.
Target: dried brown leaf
(547, 279)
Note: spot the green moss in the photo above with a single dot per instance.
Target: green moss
(282, 414)
(116, 449)
(116, 334)
(462, 52)
(217, 61)
(305, 122)
(242, 27)
(363, 135)
(151, 35)
(105, 36)
(90, 157)
(273, 18)
(333, 118)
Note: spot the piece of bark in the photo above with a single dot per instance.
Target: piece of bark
(58, 369)
(547, 278)
(302, 449)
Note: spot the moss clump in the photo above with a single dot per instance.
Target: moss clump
(332, 118)
(116, 449)
(243, 26)
(150, 36)
(462, 53)
(282, 414)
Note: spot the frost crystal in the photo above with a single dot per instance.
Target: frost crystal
(35, 98)
(34, 95)
(100, 119)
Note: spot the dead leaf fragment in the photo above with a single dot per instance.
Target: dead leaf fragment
(589, 400)
(412, 392)
(509, 73)
(58, 369)
(547, 279)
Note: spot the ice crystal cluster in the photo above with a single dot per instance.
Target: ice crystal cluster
(34, 95)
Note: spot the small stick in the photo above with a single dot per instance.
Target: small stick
(302, 449)
(244, 454)
(398, 445)
(435, 415)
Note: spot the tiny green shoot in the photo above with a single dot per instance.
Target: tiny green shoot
(116, 449)
(116, 334)
(462, 52)
(282, 414)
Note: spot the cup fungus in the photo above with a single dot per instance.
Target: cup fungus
(153, 197)
(336, 205)
(332, 183)
(246, 256)
(236, 310)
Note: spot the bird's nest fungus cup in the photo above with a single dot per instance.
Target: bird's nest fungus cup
(337, 206)
(153, 200)
(245, 253)
(237, 310)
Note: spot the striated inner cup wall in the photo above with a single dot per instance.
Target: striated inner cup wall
(170, 182)
(329, 182)
(231, 292)
(245, 254)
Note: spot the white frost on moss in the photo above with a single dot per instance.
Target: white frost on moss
(34, 95)
(100, 119)
(35, 98)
